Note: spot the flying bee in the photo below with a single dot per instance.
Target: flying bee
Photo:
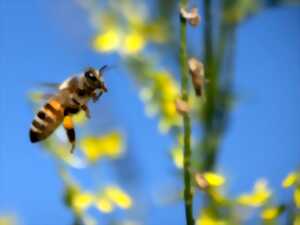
(72, 96)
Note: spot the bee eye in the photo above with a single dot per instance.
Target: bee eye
(81, 92)
(90, 75)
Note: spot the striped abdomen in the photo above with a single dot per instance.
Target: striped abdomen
(49, 117)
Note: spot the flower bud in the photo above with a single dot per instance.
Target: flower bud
(196, 69)
(182, 107)
(191, 16)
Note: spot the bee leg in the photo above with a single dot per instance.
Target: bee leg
(69, 127)
(86, 110)
(96, 96)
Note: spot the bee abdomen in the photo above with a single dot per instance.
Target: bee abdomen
(46, 121)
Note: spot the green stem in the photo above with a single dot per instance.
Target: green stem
(188, 196)
(209, 145)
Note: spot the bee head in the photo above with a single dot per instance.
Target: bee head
(95, 77)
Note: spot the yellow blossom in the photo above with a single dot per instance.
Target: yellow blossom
(118, 197)
(177, 155)
(165, 83)
(109, 145)
(164, 126)
(206, 219)
(104, 205)
(297, 197)
(108, 41)
(133, 43)
(258, 197)
(7, 220)
(217, 196)
(290, 180)
(146, 94)
(297, 220)
(81, 201)
(271, 213)
(166, 91)
(213, 179)
(169, 109)
(155, 31)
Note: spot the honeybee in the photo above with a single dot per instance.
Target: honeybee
(72, 96)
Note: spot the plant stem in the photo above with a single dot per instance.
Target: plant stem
(188, 196)
(209, 145)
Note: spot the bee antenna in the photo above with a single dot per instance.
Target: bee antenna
(105, 68)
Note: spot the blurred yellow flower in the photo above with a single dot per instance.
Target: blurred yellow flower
(290, 180)
(7, 220)
(214, 179)
(217, 196)
(81, 201)
(177, 155)
(164, 82)
(146, 94)
(271, 213)
(238, 10)
(133, 43)
(166, 91)
(155, 31)
(258, 197)
(126, 28)
(297, 220)
(104, 205)
(169, 109)
(297, 197)
(110, 145)
(118, 197)
(108, 41)
(206, 219)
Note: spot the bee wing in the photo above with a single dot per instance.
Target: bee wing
(46, 96)
(50, 85)
(39, 97)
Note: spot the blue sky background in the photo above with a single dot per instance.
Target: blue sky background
(48, 40)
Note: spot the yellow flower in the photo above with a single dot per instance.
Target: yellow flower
(271, 213)
(297, 197)
(108, 41)
(133, 43)
(239, 10)
(118, 197)
(165, 83)
(169, 109)
(166, 90)
(114, 40)
(177, 155)
(217, 196)
(260, 195)
(109, 145)
(156, 32)
(146, 94)
(7, 220)
(104, 205)
(81, 201)
(297, 220)
(290, 180)
(206, 219)
(213, 179)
